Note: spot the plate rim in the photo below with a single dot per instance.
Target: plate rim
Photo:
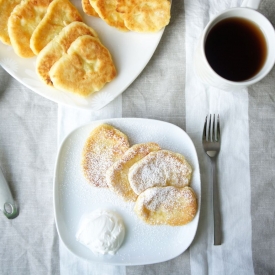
(55, 201)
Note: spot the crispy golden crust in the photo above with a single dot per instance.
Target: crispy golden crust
(24, 18)
(104, 146)
(60, 13)
(160, 168)
(88, 9)
(58, 46)
(117, 174)
(148, 16)
(86, 68)
(106, 9)
(167, 206)
(6, 7)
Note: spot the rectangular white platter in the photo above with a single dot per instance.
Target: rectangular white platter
(73, 196)
(130, 51)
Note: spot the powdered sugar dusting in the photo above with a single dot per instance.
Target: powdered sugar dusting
(104, 146)
(117, 174)
(166, 197)
(161, 168)
(167, 205)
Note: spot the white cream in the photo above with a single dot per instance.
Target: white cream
(102, 231)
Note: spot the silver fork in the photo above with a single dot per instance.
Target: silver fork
(211, 145)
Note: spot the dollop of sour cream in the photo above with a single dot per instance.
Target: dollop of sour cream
(102, 231)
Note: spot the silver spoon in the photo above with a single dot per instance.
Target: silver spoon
(7, 203)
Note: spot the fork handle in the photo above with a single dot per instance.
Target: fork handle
(216, 207)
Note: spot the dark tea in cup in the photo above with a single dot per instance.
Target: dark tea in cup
(236, 49)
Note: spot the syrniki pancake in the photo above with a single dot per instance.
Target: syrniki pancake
(59, 46)
(167, 205)
(106, 10)
(86, 68)
(104, 146)
(117, 174)
(60, 13)
(148, 16)
(160, 168)
(23, 20)
(88, 9)
(6, 7)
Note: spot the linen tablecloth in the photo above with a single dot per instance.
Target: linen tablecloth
(32, 127)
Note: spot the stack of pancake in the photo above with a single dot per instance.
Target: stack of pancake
(156, 180)
(134, 15)
(70, 56)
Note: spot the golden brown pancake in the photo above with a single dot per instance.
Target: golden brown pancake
(160, 168)
(23, 20)
(167, 205)
(148, 16)
(59, 46)
(117, 174)
(88, 9)
(106, 10)
(60, 13)
(6, 7)
(102, 149)
(86, 68)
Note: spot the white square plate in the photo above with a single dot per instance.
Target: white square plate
(73, 196)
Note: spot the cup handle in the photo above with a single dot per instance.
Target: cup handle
(253, 4)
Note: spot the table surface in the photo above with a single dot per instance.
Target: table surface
(32, 128)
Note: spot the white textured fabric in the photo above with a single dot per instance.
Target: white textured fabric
(168, 90)
(233, 160)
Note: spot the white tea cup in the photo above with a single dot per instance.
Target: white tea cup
(248, 11)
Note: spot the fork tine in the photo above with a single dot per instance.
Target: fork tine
(213, 129)
(204, 129)
(209, 129)
(218, 128)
